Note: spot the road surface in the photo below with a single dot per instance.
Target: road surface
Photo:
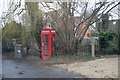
(17, 68)
(0, 60)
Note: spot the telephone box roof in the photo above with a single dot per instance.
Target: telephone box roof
(47, 29)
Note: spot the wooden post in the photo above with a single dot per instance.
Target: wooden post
(93, 46)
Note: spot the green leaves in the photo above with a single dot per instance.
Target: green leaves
(106, 35)
(36, 32)
(11, 30)
(15, 31)
(106, 41)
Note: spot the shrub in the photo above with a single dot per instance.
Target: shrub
(106, 43)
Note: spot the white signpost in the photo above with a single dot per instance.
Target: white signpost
(93, 46)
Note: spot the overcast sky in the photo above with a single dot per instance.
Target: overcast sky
(4, 7)
(3, 3)
(1, 6)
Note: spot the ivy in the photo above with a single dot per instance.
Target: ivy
(38, 27)
(105, 40)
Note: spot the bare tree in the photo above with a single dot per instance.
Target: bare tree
(14, 9)
(70, 29)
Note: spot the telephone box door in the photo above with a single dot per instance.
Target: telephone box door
(46, 45)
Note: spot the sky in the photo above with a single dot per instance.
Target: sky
(3, 6)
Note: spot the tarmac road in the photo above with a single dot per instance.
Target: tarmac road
(17, 68)
(0, 66)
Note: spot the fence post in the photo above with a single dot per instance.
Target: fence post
(93, 46)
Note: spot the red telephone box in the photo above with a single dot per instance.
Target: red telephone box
(47, 35)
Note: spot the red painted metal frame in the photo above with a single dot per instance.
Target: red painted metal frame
(51, 34)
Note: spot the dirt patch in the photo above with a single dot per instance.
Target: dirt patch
(62, 59)
(33, 58)
(102, 67)
(99, 68)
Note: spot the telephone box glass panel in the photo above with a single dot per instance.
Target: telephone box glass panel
(46, 45)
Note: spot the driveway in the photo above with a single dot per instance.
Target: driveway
(19, 68)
